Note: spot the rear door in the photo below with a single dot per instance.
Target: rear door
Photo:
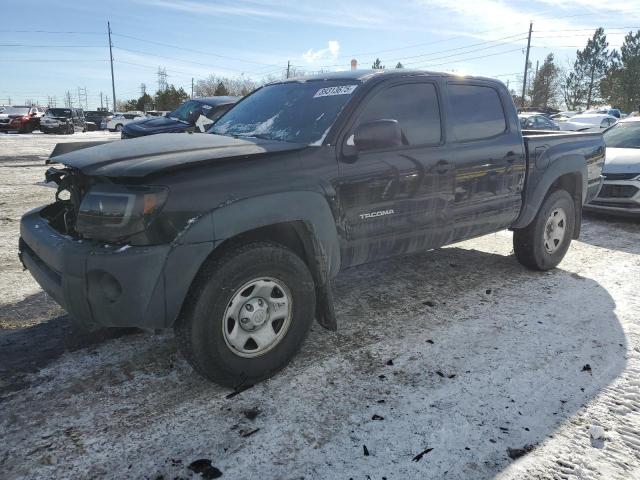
(488, 156)
(395, 200)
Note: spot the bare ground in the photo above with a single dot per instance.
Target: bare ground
(456, 363)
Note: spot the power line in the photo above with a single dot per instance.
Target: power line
(48, 46)
(200, 52)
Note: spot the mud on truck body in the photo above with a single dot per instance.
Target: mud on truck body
(233, 238)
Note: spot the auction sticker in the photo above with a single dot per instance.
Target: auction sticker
(339, 90)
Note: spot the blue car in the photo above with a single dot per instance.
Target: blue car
(194, 115)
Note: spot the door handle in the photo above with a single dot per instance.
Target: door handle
(442, 167)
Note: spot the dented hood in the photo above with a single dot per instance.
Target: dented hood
(139, 157)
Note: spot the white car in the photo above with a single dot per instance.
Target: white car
(588, 122)
(620, 191)
(119, 120)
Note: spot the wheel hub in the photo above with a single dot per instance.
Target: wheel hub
(257, 317)
(554, 230)
(253, 314)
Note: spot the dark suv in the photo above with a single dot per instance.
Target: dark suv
(96, 117)
(63, 120)
(195, 115)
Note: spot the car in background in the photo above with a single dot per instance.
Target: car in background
(614, 112)
(536, 121)
(564, 116)
(20, 118)
(620, 193)
(97, 117)
(119, 120)
(63, 120)
(588, 122)
(157, 113)
(195, 115)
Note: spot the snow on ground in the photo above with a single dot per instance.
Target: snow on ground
(456, 363)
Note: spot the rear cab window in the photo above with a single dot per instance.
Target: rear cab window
(476, 112)
(416, 108)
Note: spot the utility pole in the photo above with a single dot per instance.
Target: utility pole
(526, 65)
(101, 105)
(288, 68)
(191, 87)
(113, 83)
(143, 89)
(106, 100)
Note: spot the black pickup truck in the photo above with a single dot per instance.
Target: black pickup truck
(232, 238)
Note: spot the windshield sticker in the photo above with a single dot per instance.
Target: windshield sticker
(339, 90)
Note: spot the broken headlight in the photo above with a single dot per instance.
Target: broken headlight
(112, 212)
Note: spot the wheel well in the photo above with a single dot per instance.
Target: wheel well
(572, 183)
(294, 235)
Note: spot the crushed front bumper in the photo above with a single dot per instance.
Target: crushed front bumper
(98, 284)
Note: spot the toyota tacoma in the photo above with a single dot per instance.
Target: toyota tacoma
(232, 238)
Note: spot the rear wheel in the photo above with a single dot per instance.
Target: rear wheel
(544, 242)
(247, 314)
(118, 127)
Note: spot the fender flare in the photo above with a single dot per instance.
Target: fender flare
(533, 198)
(205, 233)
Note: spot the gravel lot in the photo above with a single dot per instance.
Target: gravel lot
(456, 363)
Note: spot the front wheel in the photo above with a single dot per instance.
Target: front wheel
(247, 314)
(544, 242)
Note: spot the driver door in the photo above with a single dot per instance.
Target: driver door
(395, 200)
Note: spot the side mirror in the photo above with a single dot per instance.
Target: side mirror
(377, 134)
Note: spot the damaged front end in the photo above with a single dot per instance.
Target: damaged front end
(99, 209)
(71, 187)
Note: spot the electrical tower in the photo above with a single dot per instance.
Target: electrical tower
(162, 79)
(82, 98)
(68, 100)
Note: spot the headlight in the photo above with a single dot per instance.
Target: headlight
(113, 213)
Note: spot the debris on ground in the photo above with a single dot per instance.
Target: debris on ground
(205, 469)
(419, 456)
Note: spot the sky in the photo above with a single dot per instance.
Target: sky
(50, 47)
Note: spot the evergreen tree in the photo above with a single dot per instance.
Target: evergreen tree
(144, 103)
(591, 66)
(399, 65)
(545, 84)
(221, 89)
(377, 65)
(621, 85)
(170, 98)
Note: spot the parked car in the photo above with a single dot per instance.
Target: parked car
(157, 113)
(588, 122)
(614, 112)
(23, 119)
(119, 120)
(97, 117)
(620, 193)
(233, 237)
(536, 121)
(563, 116)
(192, 116)
(63, 120)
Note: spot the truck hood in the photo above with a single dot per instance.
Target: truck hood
(622, 160)
(139, 157)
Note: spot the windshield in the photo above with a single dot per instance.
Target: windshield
(188, 111)
(298, 112)
(58, 112)
(16, 110)
(623, 135)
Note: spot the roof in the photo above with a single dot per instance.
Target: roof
(631, 119)
(531, 114)
(219, 100)
(365, 75)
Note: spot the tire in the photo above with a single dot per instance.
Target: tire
(118, 127)
(544, 242)
(211, 339)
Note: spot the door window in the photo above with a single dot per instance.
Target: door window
(477, 112)
(414, 106)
